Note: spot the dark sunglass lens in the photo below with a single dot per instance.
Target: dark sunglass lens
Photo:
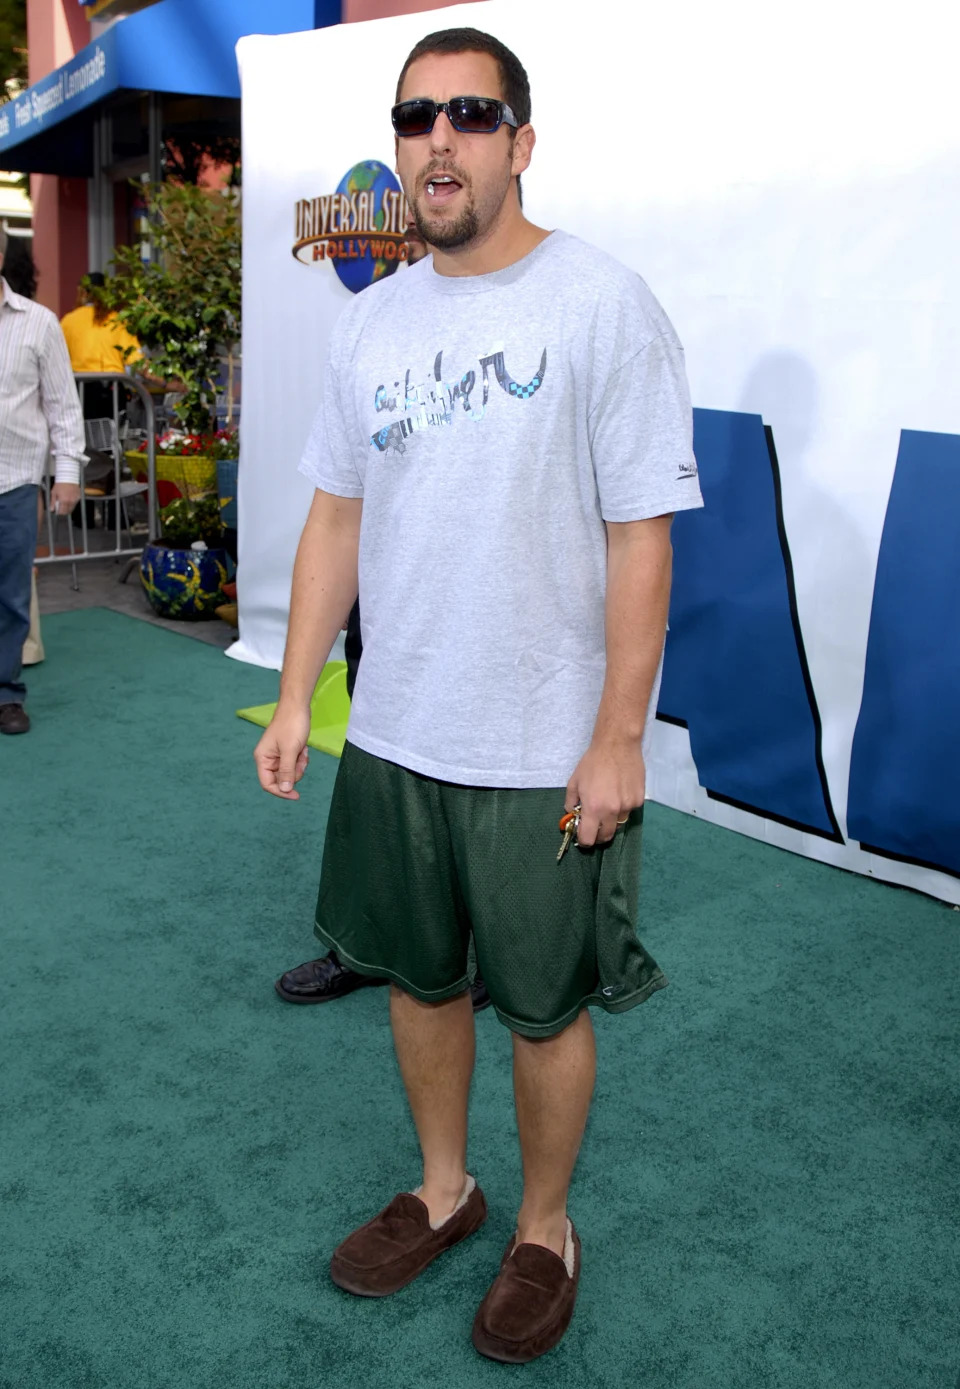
(477, 114)
(414, 117)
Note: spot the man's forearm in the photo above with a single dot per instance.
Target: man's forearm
(639, 562)
(323, 592)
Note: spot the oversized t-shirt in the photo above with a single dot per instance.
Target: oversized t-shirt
(492, 424)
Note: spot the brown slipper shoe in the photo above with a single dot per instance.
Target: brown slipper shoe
(394, 1247)
(530, 1302)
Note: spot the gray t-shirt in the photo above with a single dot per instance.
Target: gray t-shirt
(491, 424)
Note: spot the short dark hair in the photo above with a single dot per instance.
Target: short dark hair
(514, 83)
(19, 269)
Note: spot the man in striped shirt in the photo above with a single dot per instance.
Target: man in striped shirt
(39, 415)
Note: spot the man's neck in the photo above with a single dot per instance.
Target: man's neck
(508, 240)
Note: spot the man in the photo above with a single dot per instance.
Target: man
(504, 436)
(324, 979)
(39, 413)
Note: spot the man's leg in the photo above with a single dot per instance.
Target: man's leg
(18, 543)
(553, 1083)
(398, 912)
(435, 1050)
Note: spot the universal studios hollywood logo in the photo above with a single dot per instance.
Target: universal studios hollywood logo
(360, 227)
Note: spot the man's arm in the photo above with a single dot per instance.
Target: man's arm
(610, 779)
(61, 410)
(323, 592)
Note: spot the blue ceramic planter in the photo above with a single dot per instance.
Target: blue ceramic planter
(184, 584)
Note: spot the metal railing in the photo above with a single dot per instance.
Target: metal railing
(104, 436)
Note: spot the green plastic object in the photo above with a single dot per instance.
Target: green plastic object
(329, 710)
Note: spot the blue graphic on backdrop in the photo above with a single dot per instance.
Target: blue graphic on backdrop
(904, 797)
(360, 228)
(735, 671)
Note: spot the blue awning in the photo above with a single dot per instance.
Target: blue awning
(178, 46)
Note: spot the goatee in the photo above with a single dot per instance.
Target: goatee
(447, 236)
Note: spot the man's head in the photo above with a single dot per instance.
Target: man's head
(87, 294)
(458, 181)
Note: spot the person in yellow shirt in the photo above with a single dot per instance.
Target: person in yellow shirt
(97, 341)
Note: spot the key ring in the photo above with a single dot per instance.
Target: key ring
(568, 828)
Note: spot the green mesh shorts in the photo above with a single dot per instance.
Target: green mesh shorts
(411, 866)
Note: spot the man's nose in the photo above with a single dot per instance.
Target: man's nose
(443, 135)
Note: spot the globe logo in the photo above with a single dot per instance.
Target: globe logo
(360, 228)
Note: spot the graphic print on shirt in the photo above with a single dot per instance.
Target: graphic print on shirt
(434, 402)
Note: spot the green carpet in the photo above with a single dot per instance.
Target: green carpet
(768, 1189)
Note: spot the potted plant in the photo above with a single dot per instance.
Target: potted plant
(192, 466)
(183, 305)
(183, 572)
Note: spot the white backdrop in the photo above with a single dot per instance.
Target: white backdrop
(784, 177)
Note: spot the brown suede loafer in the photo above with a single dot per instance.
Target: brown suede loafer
(530, 1302)
(394, 1247)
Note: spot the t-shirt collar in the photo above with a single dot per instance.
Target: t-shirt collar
(494, 279)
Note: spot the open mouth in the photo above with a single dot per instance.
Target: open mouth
(441, 189)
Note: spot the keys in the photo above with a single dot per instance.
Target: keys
(569, 824)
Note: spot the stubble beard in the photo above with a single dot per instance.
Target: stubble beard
(470, 224)
(448, 236)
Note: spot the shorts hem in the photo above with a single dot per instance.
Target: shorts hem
(619, 1005)
(381, 972)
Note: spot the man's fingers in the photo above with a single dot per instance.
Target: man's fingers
(596, 827)
(270, 774)
(267, 772)
(587, 829)
(292, 765)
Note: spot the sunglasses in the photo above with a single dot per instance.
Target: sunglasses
(471, 115)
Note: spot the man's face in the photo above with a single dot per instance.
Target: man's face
(452, 214)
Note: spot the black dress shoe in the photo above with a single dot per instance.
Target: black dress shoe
(478, 992)
(319, 981)
(14, 719)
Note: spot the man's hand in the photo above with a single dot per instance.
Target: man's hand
(281, 754)
(609, 782)
(63, 498)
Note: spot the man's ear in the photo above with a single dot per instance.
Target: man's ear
(523, 143)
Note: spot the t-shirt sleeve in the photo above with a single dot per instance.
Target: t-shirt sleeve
(641, 436)
(330, 458)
